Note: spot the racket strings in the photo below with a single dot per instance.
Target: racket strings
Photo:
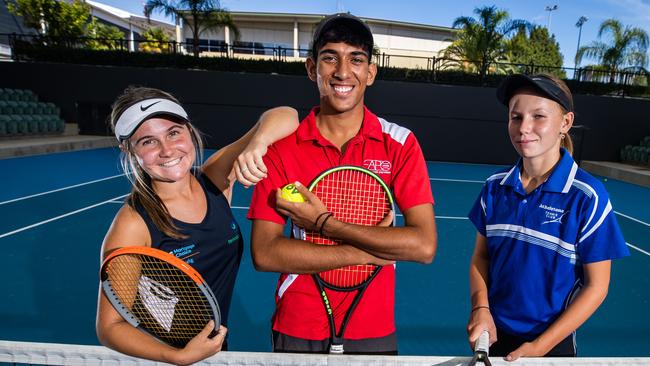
(353, 197)
(167, 302)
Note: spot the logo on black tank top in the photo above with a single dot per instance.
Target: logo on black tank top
(185, 253)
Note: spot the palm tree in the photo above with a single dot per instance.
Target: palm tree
(481, 41)
(628, 48)
(199, 15)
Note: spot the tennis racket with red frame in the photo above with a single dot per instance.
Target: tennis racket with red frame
(357, 196)
(158, 293)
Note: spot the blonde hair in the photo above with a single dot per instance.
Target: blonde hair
(142, 192)
(566, 140)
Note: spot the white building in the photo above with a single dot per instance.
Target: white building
(264, 34)
(132, 25)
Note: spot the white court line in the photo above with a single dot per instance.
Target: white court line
(465, 218)
(59, 189)
(457, 180)
(59, 217)
(480, 181)
(637, 248)
(632, 218)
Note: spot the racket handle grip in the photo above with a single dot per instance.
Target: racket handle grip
(336, 349)
(483, 343)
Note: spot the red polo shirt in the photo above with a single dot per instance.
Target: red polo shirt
(393, 153)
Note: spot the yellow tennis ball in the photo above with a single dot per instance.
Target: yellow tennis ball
(291, 194)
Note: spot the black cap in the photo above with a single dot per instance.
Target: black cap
(540, 82)
(359, 26)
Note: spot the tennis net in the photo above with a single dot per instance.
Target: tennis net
(20, 353)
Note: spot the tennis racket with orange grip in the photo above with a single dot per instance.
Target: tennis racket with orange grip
(158, 293)
(358, 196)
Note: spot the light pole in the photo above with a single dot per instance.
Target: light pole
(548, 22)
(579, 24)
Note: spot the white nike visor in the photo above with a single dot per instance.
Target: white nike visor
(135, 115)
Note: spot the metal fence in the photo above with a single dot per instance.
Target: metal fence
(391, 66)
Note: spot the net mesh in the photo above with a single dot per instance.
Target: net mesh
(166, 301)
(29, 353)
(355, 197)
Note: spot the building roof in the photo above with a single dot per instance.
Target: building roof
(242, 15)
(112, 14)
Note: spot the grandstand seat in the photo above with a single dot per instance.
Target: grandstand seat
(646, 141)
(32, 124)
(29, 96)
(22, 124)
(645, 155)
(8, 94)
(4, 108)
(12, 126)
(4, 120)
(60, 124)
(38, 107)
(16, 107)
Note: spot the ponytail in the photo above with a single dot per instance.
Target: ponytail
(567, 143)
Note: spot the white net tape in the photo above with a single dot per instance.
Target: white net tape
(71, 354)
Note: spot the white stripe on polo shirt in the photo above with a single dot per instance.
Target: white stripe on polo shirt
(606, 211)
(591, 193)
(570, 178)
(505, 178)
(495, 176)
(533, 237)
(397, 132)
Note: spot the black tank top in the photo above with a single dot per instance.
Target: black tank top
(213, 247)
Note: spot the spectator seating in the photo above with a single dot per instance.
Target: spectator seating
(21, 114)
(638, 154)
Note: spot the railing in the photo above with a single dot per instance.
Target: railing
(391, 66)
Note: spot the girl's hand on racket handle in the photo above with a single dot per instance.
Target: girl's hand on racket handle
(202, 346)
(303, 214)
(249, 166)
(479, 320)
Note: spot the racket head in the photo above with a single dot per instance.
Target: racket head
(357, 196)
(158, 293)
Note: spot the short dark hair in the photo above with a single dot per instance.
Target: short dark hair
(345, 28)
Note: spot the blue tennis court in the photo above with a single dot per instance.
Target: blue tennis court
(56, 209)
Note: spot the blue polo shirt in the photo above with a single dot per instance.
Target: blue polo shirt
(538, 242)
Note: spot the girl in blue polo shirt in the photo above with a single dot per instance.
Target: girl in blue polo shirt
(546, 232)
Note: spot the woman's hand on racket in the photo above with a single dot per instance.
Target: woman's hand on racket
(249, 166)
(303, 214)
(480, 320)
(202, 346)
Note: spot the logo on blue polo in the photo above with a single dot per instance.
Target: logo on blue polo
(552, 214)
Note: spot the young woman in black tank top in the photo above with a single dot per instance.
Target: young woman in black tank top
(180, 208)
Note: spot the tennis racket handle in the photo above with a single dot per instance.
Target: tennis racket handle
(336, 349)
(483, 343)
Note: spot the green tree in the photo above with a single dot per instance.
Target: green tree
(60, 22)
(157, 41)
(537, 49)
(482, 41)
(104, 37)
(628, 48)
(198, 15)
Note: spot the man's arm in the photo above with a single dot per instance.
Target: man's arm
(416, 241)
(273, 252)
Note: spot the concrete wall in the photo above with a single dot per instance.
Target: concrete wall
(452, 123)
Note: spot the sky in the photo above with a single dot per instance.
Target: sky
(634, 13)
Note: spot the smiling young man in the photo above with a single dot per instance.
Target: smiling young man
(340, 131)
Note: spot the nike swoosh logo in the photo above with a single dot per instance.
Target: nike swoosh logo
(143, 108)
